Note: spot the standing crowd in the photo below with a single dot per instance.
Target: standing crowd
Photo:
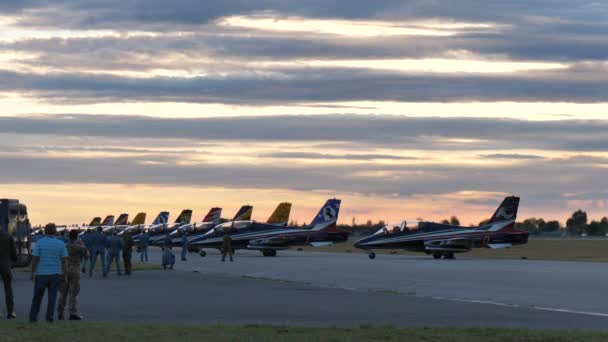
(58, 261)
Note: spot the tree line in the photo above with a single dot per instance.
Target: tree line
(577, 224)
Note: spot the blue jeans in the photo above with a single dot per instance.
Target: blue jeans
(42, 283)
(143, 256)
(101, 253)
(112, 257)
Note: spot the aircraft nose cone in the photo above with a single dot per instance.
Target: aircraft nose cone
(358, 244)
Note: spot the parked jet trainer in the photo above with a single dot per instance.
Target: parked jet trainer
(443, 240)
(120, 225)
(136, 229)
(279, 217)
(244, 213)
(210, 220)
(159, 233)
(268, 238)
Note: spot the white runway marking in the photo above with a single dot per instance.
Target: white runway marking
(586, 313)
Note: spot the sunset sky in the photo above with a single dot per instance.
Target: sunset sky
(403, 109)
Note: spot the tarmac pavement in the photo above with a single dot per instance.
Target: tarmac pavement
(306, 288)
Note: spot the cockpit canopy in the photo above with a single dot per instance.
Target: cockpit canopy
(231, 225)
(398, 228)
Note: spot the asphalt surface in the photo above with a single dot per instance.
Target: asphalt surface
(554, 285)
(343, 290)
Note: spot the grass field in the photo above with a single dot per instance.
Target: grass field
(67, 331)
(536, 249)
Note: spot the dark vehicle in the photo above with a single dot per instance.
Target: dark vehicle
(14, 220)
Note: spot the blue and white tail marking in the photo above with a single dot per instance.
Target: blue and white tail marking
(162, 218)
(328, 215)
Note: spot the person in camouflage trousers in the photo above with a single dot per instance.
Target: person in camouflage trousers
(71, 286)
(127, 251)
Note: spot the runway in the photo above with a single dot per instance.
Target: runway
(305, 288)
(560, 286)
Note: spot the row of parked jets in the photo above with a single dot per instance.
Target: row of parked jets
(438, 240)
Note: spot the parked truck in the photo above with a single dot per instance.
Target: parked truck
(14, 220)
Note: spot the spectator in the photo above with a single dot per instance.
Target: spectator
(48, 271)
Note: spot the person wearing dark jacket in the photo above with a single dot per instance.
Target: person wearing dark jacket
(8, 256)
(227, 246)
(127, 251)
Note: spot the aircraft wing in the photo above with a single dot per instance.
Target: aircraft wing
(278, 242)
(284, 242)
(449, 245)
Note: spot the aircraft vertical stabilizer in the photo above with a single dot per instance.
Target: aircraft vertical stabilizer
(140, 218)
(281, 214)
(96, 221)
(213, 216)
(328, 215)
(108, 221)
(123, 219)
(244, 214)
(162, 218)
(507, 210)
(184, 217)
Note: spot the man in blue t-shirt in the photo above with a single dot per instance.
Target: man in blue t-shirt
(48, 271)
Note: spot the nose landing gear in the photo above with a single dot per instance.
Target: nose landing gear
(372, 255)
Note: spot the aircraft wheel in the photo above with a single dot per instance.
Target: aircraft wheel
(372, 255)
(202, 254)
(449, 256)
(269, 253)
(437, 255)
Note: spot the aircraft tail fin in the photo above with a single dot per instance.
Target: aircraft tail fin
(184, 217)
(328, 215)
(140, 218)
(280, 214)
(122, 220)
(213, 216)
(244, 214)
(507, 210)
(108, 221)
(96, 221)
(162, 218)
(505, 216)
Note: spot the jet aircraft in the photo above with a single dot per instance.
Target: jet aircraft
(210, 220)
(159, 233)
(136, 229)
(122, 223)
(244, 213)
(268, 238)
(444, 240)
(279, 217)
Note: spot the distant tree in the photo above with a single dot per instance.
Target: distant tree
(577, 223)
(598, 227)
(454, 221)
(445, 221)
(551, 226)
(529, 225)
(354, 222)
(369, 223)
